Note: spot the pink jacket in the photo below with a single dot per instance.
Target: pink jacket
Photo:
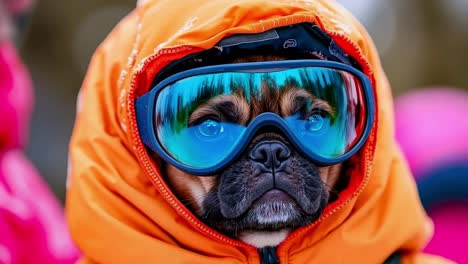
(32, 227)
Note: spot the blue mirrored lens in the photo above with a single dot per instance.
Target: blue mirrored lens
(201, 119)
(201, 146)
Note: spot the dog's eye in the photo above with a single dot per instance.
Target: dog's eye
(210, 128)
(315, 121)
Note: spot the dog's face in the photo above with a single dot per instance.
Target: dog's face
(271, 188)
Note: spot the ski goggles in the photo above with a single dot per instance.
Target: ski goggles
(201, 120)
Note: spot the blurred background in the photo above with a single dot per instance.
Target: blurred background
(421, 43)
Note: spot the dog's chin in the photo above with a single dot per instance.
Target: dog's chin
(276, 210)
(273, 210)
(268, 219)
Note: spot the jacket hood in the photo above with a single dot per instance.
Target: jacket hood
(119, 208)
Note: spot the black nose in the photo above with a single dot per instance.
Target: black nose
(270, 153)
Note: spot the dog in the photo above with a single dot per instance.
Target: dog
(271, 189)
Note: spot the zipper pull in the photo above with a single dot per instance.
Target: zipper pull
(268, 255)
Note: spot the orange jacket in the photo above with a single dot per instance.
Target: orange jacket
(121, 211)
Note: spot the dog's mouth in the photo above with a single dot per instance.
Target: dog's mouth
(275, 209)
(266, 201)
(277, 199)
(298, 189)
(278, 208)
(273, 195)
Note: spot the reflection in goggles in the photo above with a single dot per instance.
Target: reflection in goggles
(322, 107)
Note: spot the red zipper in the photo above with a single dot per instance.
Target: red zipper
(351, 48)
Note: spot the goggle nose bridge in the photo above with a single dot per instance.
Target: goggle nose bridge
(273, 120)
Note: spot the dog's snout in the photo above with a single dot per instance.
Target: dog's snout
(270, 153)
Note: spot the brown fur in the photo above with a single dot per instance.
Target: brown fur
(191, 189)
